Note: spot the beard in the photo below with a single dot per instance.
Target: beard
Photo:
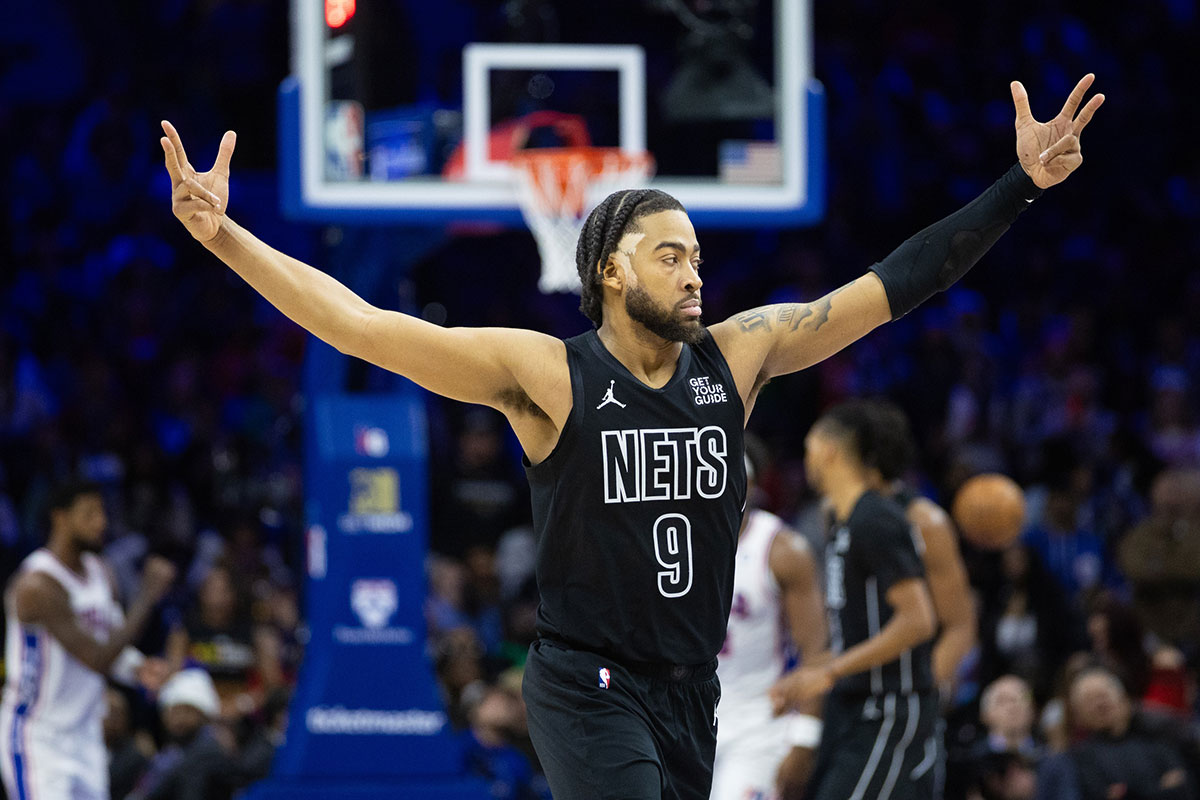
(663, 322)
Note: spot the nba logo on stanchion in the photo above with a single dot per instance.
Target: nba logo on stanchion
(605, 676)
(371, 441)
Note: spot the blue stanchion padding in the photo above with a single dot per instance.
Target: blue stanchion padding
(366, 718)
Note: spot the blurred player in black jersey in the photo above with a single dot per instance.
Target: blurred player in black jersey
(632, 434)
(892, 452)
(881, 710)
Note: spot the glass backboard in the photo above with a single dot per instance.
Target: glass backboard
(407, 110)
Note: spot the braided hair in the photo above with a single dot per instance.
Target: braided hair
(615, 216)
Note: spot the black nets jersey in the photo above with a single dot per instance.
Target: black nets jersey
(637, 509)
(875, 548)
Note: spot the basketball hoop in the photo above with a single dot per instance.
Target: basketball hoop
(556, 186)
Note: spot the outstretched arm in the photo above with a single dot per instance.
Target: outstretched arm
(513, 370)
(475, 365)
(948, 587)
(775, 340)
(788, 337)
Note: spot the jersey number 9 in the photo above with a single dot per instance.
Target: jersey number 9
(673, 549)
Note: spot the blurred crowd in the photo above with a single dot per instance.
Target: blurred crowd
(1067, 359)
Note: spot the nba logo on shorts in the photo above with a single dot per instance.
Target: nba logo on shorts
(605, 676)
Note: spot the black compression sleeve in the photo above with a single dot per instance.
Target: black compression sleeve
(942, 253)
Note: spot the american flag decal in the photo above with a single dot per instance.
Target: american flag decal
(750, 162)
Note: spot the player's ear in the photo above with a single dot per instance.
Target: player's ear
(612, 274)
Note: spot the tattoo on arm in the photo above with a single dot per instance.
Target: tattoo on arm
(754, 319)
(792, 316)
(822, 307)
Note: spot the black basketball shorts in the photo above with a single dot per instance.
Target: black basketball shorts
(877, 747)
(602, 730)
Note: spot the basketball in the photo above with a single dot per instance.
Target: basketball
(989, 510)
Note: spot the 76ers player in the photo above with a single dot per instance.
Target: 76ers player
(65, 632)
(776, 597)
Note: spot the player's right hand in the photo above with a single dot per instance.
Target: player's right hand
(157, 576)
(198, 199)
(801, 684)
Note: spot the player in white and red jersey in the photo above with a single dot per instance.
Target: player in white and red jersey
(777, 603)
(65, 633)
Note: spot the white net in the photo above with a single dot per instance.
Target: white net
(556, 187)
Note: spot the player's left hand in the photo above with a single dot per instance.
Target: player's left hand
(802, 683)
(794, 772)
(153, 673)
(1049, 151)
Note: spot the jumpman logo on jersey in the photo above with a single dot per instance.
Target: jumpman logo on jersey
(608, 397)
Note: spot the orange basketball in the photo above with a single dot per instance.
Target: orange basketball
(989, 510)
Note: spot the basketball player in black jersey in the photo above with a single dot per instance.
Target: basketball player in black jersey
(891, 454)
(633, 437)
(881, 712)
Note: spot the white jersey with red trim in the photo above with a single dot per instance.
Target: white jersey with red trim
(754, 653)
(51, 737)
(751, 742)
